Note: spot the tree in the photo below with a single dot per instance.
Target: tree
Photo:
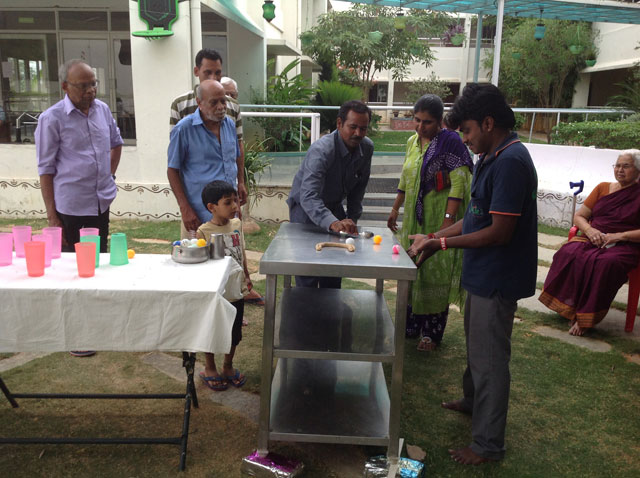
(364, 40)
(431, 85)
(545, 71)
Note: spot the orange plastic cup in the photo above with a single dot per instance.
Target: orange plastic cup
(86, 258)
(34, 256)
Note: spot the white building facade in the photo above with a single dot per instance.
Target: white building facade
(138, 79)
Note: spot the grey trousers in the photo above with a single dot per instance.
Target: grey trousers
(488, 323)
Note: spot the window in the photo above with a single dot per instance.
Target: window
(29, 61)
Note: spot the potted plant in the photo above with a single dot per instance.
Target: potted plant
(575, 49)
(590, 56)
(454, 35)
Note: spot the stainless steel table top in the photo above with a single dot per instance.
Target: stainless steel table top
(292, 252)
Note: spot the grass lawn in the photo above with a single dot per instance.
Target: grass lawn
(573, 412)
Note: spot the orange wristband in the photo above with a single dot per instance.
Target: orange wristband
(443, 243)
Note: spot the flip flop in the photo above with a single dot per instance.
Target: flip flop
(230, 379)
(82, 353)
(217, 384)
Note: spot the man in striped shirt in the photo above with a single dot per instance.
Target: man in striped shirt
(209, 67)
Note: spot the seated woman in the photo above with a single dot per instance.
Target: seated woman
(587, 272)
(434, 187)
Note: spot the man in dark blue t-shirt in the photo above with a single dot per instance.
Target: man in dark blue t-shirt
(499, 233)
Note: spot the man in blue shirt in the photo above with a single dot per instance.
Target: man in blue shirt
(499, 233)
(203, 148)
(335, 168)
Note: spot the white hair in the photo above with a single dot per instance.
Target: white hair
(635, 155)
(231, 81)
(63, 71)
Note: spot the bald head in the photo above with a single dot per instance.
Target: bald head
(211, 101)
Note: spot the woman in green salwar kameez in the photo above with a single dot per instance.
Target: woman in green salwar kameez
(434, 188)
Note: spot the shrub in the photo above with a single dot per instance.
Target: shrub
(601, 134)
(284, 133)
(520, 119)
(334, 93)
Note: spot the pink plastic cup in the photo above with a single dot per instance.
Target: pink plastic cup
(48, 245)
(21, 234)
(34, 255)
(86, 258)
(6, 248)
(56, 238)
(89, 231)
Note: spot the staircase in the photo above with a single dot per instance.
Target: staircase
(381, 190)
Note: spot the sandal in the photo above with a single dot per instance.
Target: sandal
(217, 384)
(426, 344)
(236, 380)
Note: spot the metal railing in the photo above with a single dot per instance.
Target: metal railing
(315, 121)
(526, 111)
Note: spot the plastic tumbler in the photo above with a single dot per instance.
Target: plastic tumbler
(34, 255)
(6, 248)
(86, 258)
(21, 234)
(89, 231)
(95, 239)
(48, 243)
(118, 249)
(56, 237)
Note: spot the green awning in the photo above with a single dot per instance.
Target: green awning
(228, 10)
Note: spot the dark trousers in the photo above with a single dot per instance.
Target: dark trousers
(236, 330)
(488, 322)
(71, 226)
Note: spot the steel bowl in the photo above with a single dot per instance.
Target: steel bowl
(190, 255)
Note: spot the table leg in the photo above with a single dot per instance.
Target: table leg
(267, 364)
(188, 362)
(402, 296)
(7, 394)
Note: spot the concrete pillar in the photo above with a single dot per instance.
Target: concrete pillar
(466, 53)
(196, 34)
(161, 70)
(390, 93)
(581, 91)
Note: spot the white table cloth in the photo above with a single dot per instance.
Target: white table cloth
(152, 303)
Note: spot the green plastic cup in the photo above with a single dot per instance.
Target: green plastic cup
(96, 239)
(118, 249)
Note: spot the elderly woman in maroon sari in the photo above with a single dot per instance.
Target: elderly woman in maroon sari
(587, 272)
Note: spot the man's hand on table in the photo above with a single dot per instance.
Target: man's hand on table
(346, 225)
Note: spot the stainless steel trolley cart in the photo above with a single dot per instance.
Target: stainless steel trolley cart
(329, 384)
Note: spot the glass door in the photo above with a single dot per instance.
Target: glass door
(123, 87)
(94, 51)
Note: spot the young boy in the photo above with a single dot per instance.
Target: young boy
(220, 198)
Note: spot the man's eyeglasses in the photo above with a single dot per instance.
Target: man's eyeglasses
(85, 86)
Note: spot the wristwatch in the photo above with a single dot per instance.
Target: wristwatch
(113, 176)
(448, 216)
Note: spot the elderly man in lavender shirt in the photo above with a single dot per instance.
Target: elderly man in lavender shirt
(78, 146)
